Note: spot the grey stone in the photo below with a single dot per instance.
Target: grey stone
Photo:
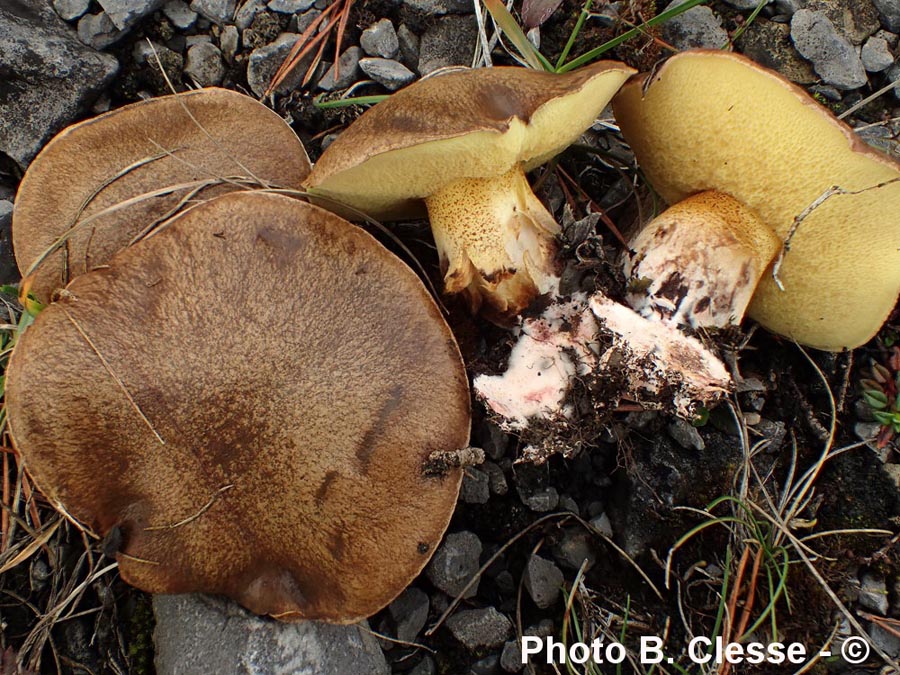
(541, 500)
(496, 479)
(855, 20)
(380, 39)
(449, 42)
(787, 7)
(889, 12)
(265, 61)
(388, 73)
(409, 47)
(477, 628)
(410, 612)
(180, 14)
(455, 563)
(476, 486)
(511, 657)
(248, 11)
(201, 634)
(440, 7)
(290, 6)
(686, 435)
(891, 38)
(347, 71)
(835, 60)
(769, 44)
(300, 22)
(543, 581)
(147, 52)
(876, 55)
(229, 42)
(126, 13)
(885, 640)
(69, 10)
(49, 76)
(697, 27)
(495, 441)
(486, 666)
(98, 31)
(873, 593)
(744, 5)
(576, 548)
(204, 65)
(203, 38)
(893, 75)
(218, 11)
(602, 524)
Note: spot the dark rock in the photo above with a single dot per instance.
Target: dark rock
(247, 13)
(855, 20)
(69, 10)
(9, 272)
(49, 76)
(440, 7)
(98, 31)
(265, 61)
(511, 657)
(889, 12)
(347, 72)
(455, 563)
(743, 5)
(180, 14)
(575, 548)
(876, 55)
(449, 42)
(686, 435)
(543, 581)
(697, 27)
(496, 478)
(290, 6)
(477, 628)
(229, 42)
(409, 47)
(389, 74)
(769, 44)
(126, 13)
(486, 666)
(426, 666)
(202, 634)
(217, 11)
(410, 612)
(204, 65)
(476, 487)
(263, 31)
(831, 54)
(380, 39)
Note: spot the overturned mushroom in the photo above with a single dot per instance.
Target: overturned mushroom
(101, 183)
(755, 168)
(462, 142)
(254, 397)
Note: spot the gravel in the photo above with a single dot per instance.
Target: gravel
(449, 42)
(56, 77)
(697, 27)
(247, 12)
(543, 581)
(390, 74)
(348, 71)
(831, 54)
(410, 612)
(98, 31)
(455, 563)
(180, 14)
(126, 13)
(204, 65)
(511, 657)
(380, 39)
(876, 55)
(873, 593)
(686, 435)
(409, 47)
(477, 628)
(769, 43)
(265, 61)
(290, 6)
(476, 486)
(217, 11)
(229, 42)
(440, 7)
(574, 548)
(889, 12)
(69, 10)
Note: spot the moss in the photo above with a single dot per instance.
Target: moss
(140, 636)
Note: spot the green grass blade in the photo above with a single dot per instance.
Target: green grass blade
(585, 12)
(627, 35)
(507, 23)
(746, 24)
(344, 102)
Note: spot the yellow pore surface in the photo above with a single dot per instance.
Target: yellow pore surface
(716, 121)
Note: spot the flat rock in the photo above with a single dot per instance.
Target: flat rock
(686, 435)
(50, 77)
(69, 10)
(265, 61)
(388, 73)
(98, 31)
(833, 57)
(769, 44)
(126, 13)
(229, 42)
(218, 11)
(855, 20)
(290, 6)
(476, 486)
(248, 11)
(543, 581)
(346, 73)
(410, 612)
(202, 634)
(409, 47)
(204, 64)
(449, 42)
(697, 27)
(511, 657)
(889, 12)
(478, 628)
(455, 563)
(380, 39)
(876, 55)
(180, 14)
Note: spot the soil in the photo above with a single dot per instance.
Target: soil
(624, 462)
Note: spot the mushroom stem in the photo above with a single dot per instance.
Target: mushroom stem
(698, 263)
(496, 242)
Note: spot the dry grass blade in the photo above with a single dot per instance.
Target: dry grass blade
(31, 547)
(300, 49)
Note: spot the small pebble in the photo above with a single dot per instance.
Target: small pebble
(180, 14)
(511, 657)
(833, 57)
(218, 11)
(247, 13)
(390, 74)
(69, 10)
(229, 42)
(290, 6)
(686, 435)
(204, 64)
(478, 628)
(125, 14)
(455, 563)
(543, 580)
(347, 72)
(873, 593)
(98, 30)
(475, 486)
(410, 612)
(876, 55)
(380, 39)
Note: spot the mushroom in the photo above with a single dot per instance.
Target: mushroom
(101, 183)
(761, 178)
(462, 142)
(254, 398)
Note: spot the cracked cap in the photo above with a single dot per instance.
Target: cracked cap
(272, 385)
(711, 120)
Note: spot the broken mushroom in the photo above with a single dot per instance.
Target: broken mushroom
(462, 143)
(261, 398)
(776, 204)
(102, 183)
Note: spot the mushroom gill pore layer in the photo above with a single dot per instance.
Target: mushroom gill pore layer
(251, 397)
(716, 121)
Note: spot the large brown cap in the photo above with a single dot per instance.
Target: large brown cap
(251, 396)
(207, 134)
(710, 120)
(467, 124)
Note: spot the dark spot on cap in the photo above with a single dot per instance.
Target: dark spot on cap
(423, 548)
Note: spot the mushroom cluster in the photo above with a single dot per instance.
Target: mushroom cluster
(249, 390)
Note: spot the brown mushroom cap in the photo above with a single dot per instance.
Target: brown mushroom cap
(468, 124)
(710, 120)
(209, 133)
(260, 343)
